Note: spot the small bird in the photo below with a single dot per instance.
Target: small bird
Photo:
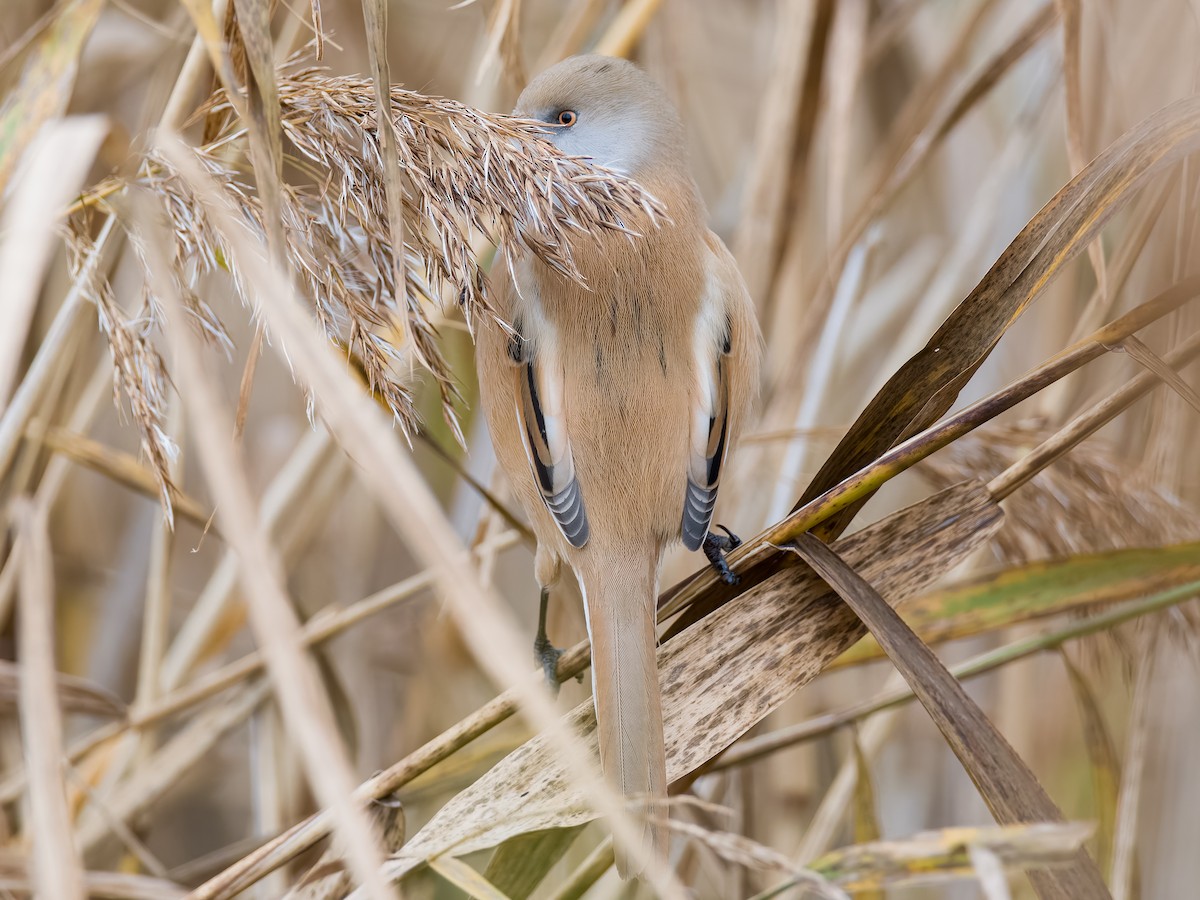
(613, 405)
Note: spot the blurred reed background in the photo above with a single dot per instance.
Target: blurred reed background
(867, 160)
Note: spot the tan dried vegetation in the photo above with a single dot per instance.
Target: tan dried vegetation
(202, 218)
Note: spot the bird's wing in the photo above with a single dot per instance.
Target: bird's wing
(710, 410)
(543, 429)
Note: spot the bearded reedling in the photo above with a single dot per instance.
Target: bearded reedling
(613, 405)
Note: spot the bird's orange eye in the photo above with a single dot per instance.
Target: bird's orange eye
(567, 118)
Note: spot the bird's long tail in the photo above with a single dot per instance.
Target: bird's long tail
(621, 615)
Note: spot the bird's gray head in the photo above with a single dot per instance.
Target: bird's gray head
(606, 109)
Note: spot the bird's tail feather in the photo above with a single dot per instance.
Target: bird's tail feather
(621, 619)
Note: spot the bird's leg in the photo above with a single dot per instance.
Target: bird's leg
(715, 547)
(544, 652)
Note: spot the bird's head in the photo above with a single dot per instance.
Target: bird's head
(606, 109)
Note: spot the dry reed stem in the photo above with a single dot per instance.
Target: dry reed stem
(1103, 758)
(1155, 364)
(764, 210)
(73, 694)
(329, 878)
(32, 387)
(121, 468)
(571, 32)
(57, 163)
(457, 873)
(579, 882)
(1133, 778)
(57, 869)
(207, 625)
(47, 77)
(847, 41)
(31, 392)
(108, 885)
(967, 253)
(501, 52)
(277, 851)
(375, 18)
(246, 387)
(1126, 256)
(627, 27)
(1047, 516)
(497, 710)
(1086, 423)
(124, 833)
(819, 374)
(920, 129)
(139, 374)
(55, 475)
(156, 610)
(304, 704)
(1070, 13)
(161, 772)
(827, 819)
(321, 627)
(989, 871)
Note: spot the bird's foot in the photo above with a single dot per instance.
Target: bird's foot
(715, 547)
(544, 653)
(547, 656)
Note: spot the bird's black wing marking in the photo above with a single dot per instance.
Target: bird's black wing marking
(544, 434)
(710, 423)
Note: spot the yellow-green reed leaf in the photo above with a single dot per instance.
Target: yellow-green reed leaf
(463, 877)
(46, 82)
(945, 854)
(866, 818)
(521, 863)
(1104, 763)
(587, 873)
(1040, 590)
(763, 745)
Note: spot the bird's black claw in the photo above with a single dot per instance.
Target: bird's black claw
(547, 655)
(715, 547)
(733, 539)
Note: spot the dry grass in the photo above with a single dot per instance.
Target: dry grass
(875, 166)
(468, 176)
